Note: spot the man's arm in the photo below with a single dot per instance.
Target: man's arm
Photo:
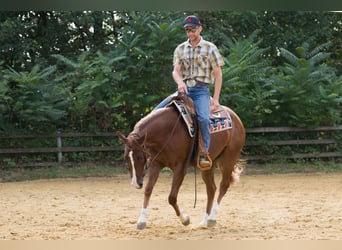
(177, 77)
(217, 72)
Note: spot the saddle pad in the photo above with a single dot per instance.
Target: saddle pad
(220, 124)
(183, 110)
(220, 120)
(220, 113)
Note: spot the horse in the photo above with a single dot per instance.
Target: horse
(161, 139)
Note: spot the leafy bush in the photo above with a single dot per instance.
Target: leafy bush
(302, 92)
(30, 100)
(308, 91)
(102, 71)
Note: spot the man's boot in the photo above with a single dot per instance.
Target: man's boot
(204, 162)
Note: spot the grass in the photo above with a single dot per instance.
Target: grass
(296, 167)
(61, 171)
(107, 170)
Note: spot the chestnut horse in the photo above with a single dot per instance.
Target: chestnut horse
(161, 139)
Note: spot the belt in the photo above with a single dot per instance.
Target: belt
(192, 83)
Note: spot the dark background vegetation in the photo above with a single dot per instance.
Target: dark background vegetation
(101, 71)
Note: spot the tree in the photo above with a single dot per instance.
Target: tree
(246, 88)
(29, 100)
(93, 83)
(149, 41)
(90, 72)
(308, 90)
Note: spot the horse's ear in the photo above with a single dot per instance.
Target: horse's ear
(121, 136)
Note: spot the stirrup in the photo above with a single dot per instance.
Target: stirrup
(206, 164)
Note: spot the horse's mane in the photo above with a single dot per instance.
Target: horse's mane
(145, 120)
(137, 136)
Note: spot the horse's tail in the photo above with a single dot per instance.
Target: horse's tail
(238, 169)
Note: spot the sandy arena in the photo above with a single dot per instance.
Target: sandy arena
(291, 206)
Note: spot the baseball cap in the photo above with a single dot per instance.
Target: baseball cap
(192, 21)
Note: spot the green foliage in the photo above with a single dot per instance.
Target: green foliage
(28, 100)
(97, 71)
(245, 87)
(148, 45)
(93, 80)
(308, 90)
(303, 92)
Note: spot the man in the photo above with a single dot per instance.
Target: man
(197, 63)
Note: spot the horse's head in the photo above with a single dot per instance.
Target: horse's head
(136, 157)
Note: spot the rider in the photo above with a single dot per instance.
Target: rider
(197, 63)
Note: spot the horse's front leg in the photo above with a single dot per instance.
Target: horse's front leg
(177, 180)
(153, 177)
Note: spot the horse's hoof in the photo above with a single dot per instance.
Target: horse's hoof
(187, 221)
(211, 223)
(141, 225)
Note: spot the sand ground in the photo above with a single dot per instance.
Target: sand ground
(291, 206)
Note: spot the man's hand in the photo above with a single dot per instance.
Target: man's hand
(214, 105)
(182, 88)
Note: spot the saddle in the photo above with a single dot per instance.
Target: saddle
(220, 120)
(187, 112)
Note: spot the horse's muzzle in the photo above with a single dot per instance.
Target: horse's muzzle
(140, 184)
(137, 184)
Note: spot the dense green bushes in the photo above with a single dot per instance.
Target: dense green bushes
(85, 76)
(103, 71)
(303, 91)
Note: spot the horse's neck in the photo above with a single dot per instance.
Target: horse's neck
(155, 121)
(141, 128)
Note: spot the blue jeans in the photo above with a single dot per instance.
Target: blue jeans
(200, 94)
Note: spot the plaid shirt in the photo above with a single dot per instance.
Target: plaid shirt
(198, 63)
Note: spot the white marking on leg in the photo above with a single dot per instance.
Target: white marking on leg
(204, 222)
(210, 219)
(185, 219)
(134, 175)
(141, 224)
(213, 212)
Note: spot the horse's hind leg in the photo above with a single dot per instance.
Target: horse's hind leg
(226, 164)
(209, 180)
(227, 167)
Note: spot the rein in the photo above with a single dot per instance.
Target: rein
(195, 186)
